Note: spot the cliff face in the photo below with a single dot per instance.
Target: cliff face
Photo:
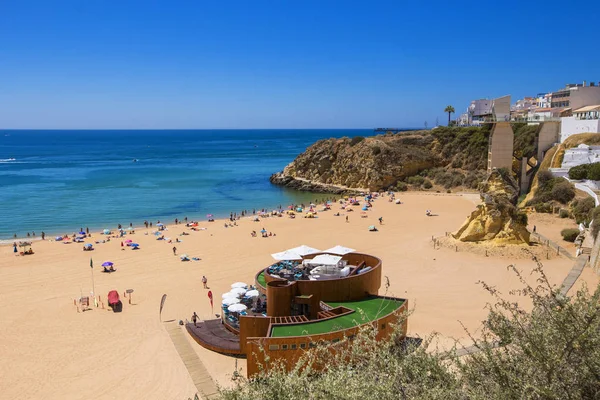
(378, 162)
(373, 163)
(496, 220)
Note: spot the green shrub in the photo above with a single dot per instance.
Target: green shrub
(544, 176)
(582, 209)
(594, 172)
(416, 180)
(401, 187)
(569, 234)
(376, 150)
(579, 172)
(427, 184)
(356, 140)
(563, 192)
(543, 208)
(563, 213)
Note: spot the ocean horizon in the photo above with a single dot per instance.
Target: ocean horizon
(59, 181)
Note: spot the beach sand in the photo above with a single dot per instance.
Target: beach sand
(50, 351)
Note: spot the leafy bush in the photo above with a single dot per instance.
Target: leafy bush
(427, 184)
(416, 180)
(376, 150)
(569, 234)
(401, 187)
(582, 209)
(579, 172)
(543, 208)
(563, 192)
(563, 213)
(356, 140)
(594, 172)
(585, 171)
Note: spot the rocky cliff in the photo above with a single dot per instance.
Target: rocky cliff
(497, 219)
(379, 162)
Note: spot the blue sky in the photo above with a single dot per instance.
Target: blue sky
(279, 64)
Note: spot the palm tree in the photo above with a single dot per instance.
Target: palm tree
(449, 110)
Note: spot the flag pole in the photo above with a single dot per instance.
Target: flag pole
(93, 286)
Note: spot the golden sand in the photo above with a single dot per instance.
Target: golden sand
(50, 351)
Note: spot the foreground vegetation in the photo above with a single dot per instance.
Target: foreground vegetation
(552, 352)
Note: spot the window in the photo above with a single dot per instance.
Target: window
(294, 346)
(284, 347)
(273, 347)
(302, 345)
(335, 340)
(382, 326)
(312, 345)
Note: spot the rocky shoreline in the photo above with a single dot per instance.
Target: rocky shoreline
(305, 185)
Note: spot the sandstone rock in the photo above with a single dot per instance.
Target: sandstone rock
(497, 219)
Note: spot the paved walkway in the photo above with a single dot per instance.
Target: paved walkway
(574, 274)
(200, 376)
(544, 240)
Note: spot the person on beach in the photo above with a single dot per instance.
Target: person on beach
(15, 248)
(204, 281)
(346, 218)
(43, 235)
(174, 250)
(534, 229)
(194, 318)
(380, 220)
(176, 221)
(87, 230)
(15, 236)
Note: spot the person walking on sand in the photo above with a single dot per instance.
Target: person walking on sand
(174, 250)
(534, 229)
(204, 281)
(380, 220)
(346, 218)
(194, 318)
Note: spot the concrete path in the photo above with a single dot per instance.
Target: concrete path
(545, 241)
(574, 274)
(200, 376)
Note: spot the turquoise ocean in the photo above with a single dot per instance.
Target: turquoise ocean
(59, 181)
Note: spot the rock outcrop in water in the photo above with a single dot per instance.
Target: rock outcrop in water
(380, 162)
(497, 220)
(373, 163)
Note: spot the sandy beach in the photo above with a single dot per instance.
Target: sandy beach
(51, 351)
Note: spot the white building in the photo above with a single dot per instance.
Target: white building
(584, 120)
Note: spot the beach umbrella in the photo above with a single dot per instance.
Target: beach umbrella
(88, 245)
(230, 300)
(128, 241)
(291, 207)
(239, 285)
(299, 209)
(229, 294)
(237, 307)
(263, 230)
(339, 250)
(286, 255)
(82, 233)
(252, 293)
(58, 238)
(107, 264)
(209, 215)
(157, 233)
(312, 204)
(365, 208)
(238, 291)
(134, 245)
(130, 228)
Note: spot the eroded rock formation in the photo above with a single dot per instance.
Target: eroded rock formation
(497, 219)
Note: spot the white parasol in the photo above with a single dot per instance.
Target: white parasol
(230, 300)
(238, 291)
(252, 293)
(239, 285)
(237, 308)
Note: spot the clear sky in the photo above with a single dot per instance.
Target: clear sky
(280, 64)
